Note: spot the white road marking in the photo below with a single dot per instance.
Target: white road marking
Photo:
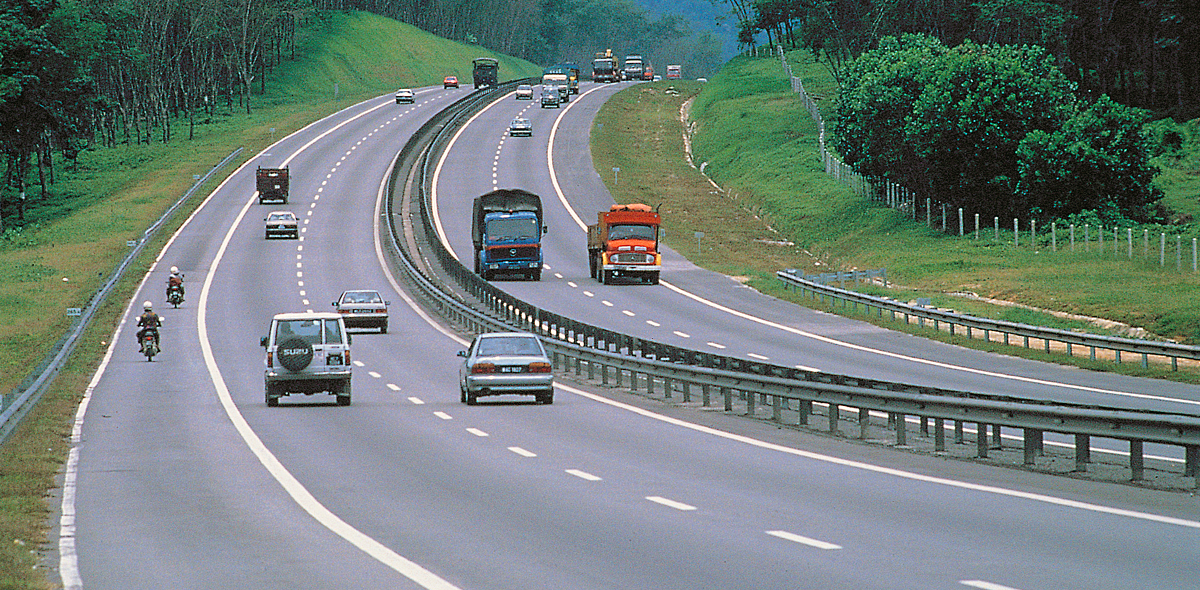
(758, 356)
(477, 432)
(804, 368)
(374, 374)
(571, 284)
(681, 334)
(715, 345)
(607, 303)
(803, 540)
(391, 386)
(583, 475)
(985, 585)
(670, 503)
(589, 293)
(443, 415)
(654, 323)
(416, 401)
(628, 313)
(522, 452)
(359, 364)
(304, 301)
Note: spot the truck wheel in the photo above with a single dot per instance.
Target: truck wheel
(592, 266)
(605, 277)
(652, 278)
(535, 275)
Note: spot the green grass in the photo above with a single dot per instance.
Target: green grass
(760, 145)
(79, 232)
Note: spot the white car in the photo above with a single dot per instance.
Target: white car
(363, 308)
(404, 95)
(524, 92)
(282, 224)
(307, 353)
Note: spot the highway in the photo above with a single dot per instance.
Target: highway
(183, 478)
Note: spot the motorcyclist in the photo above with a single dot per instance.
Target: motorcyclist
(148, 322)
(175, 281)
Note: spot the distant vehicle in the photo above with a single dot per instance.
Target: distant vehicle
(282, 224)
(485, 72)
(363, 308)
(520, 126)
(506, 231)
(648, 73)
(604, 67)
(624, 243)
(524, 92)
(450, 82)
(674, 72)
(658, 78)
(633, 68)
(702, 79)
(499, 363)
(557, 76)
(572, 72)
(404, 95)
(272, 184)
(550, 97)
(307, 353)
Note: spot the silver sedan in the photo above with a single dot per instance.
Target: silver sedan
(500, 363)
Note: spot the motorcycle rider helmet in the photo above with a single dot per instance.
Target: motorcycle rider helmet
(174, 270)
(148, 306)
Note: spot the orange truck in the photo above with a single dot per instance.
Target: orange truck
(624, 244)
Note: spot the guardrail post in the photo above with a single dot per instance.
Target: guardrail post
(704, 393)
(924, 425)
(750, 403)
(591, 371)
(667, 388)
(833, 418)
(604, 374)
(728, 395)
(687, 391)
(981, 444)
(1191, 456)
(1137, 462)
(939, 436)
(1083, 452)
(1033, 442)
(776, 408)
(864, 422)
(901, 430)
(958, 432)
(997, 442)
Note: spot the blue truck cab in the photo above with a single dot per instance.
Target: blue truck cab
(506, 230)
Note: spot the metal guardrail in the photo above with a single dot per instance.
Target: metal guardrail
(464, 298)
(14, 406)
(968, 324)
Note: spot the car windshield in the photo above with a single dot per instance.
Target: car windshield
(525, 88)
(509, 346)
(362, 297)
(512, 229)
(631, 232)
(519, 122)
(281, 216)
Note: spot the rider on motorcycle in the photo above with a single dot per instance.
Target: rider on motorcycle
(148, 322)
(175, 281)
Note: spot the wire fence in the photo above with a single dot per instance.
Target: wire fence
(1164, 249)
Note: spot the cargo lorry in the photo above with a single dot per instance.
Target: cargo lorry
(604, 67)
(623, 243)
(633, 68)
(272, 184)
(572, 72)
(557, 76)
(485, 72)
(506, 229)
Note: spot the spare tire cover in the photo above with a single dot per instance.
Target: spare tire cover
(295, 354)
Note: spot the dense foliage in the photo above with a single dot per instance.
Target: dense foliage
(994, 129)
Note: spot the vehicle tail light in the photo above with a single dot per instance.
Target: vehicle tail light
(483, 368)
(270, 360)
(540, 368)
(346, 356)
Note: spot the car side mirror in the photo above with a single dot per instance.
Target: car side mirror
(265, 340)
(545, 228)
(462, 353)
(387, 302)
(334, 304)
(349, 339)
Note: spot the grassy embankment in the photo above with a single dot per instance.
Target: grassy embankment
(761, 147)
(114, 195)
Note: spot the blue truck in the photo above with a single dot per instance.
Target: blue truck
(506, 229)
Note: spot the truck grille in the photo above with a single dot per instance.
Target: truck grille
(513, 253)
(632, 258)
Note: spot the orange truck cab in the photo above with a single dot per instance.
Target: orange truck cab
(624, 244)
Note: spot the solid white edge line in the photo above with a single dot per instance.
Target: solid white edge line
(793, 537)
(1158, 518)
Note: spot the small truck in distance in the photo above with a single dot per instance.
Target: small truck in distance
(272, 184)
(624, 243)
(506, 230)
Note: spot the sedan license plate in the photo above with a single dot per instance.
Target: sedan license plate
(511, 369)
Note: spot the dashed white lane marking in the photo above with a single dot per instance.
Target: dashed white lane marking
(359, 364)
(477, 432)
(607, 303)
(681, 334)
(628, 313)
(443, 415)
(571, 284)
(416, 401)
(304, 301)
(583, 475)
(715, 345)
(758, 356)
(374, 374)
(589, 293)
(804, 368)
(654, 323)
(985, 585)
(522, 452)
(793, 537)
(670, 503)
(391, 386)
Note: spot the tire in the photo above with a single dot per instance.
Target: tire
(295, 354)
(272, 396)
(383, 328)
(343, 394)
(653, 278)
(462, 394)
(545, 398)
(472, 398)
(535, 275)
(605, 277)
(592, 266)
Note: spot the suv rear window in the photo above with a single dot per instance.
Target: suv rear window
(309, 330)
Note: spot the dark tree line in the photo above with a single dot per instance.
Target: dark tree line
(1143, 53)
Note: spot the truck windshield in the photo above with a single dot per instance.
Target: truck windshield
(631, 232)
(512, 229)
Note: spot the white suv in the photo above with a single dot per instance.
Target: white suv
(307, 353)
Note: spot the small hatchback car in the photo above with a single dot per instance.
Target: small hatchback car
(404, 95)
(450, 82)
(499, 363)
(520, 126)
(307, 353)
(363, 309)
(524, 92)
(283, 224)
